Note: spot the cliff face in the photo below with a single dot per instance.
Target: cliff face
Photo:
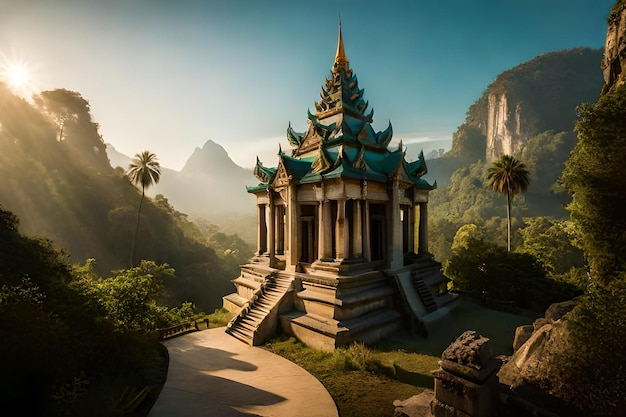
(504, 126)
(614, 59)
(536, 96)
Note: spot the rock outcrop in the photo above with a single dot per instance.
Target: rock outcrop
(532, 356)
(614, 59)
(504, 126)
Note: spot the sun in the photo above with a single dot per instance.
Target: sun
(18, 76)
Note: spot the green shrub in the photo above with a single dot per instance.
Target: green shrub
(219, 318)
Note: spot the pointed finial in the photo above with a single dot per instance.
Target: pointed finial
(341, 61)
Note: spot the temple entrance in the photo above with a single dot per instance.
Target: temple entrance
(378, 231)
(308, 246)
(262, 235)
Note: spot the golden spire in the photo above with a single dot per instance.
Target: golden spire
(341, 61)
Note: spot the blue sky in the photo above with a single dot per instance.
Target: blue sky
(169, 75)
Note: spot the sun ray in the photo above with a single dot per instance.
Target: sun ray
(18, 75)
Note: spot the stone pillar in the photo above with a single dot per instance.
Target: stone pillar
(340, 230)
(293, 226)
(357, 230)
(395, 247)
(268, 223)
(423, 229)
(272, 229)
(466, 383)
(416, 228)
(347, 237)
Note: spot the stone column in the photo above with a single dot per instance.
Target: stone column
(416, 228)
(423, 229)
(340, 228)
(272, 229)
(466, 384)
(395, 248)
(293, 225)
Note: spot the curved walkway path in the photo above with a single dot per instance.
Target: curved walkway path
(213, 374)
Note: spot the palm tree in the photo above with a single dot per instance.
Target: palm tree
(508, 176)
(144, 170)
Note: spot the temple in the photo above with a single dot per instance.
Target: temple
(342, 249)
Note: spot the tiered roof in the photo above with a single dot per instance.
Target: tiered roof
(340, 141)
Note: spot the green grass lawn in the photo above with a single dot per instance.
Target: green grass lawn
(364, 381)
(470, 314)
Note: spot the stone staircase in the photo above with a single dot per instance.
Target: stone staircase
(425, 294)
(259, 318)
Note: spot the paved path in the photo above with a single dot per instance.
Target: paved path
(213, 374)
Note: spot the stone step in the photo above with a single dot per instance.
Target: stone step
(256, 314)
(244, 337)
(248, 325)
(425, 294)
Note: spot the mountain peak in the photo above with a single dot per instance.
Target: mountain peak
(211, 158)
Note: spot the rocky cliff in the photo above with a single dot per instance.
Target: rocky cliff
(614, 58)
(504, 126)
(537, 96)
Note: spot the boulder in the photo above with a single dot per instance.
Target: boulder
(522, 334)
(531, 361)
(416, 406)
(557, 310)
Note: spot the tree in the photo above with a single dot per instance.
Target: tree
(594, 176)
(508, 176)
(144, 170)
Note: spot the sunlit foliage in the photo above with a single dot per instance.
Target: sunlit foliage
(594, 175)
(67, 191)
(488, 270)
(131, 298)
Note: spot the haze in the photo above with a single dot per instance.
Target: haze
(168, 76)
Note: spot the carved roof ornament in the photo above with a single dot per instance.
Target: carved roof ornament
(263, 174)
(294, 138)
(341, 60)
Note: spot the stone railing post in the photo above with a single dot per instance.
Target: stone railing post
(466, 384)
